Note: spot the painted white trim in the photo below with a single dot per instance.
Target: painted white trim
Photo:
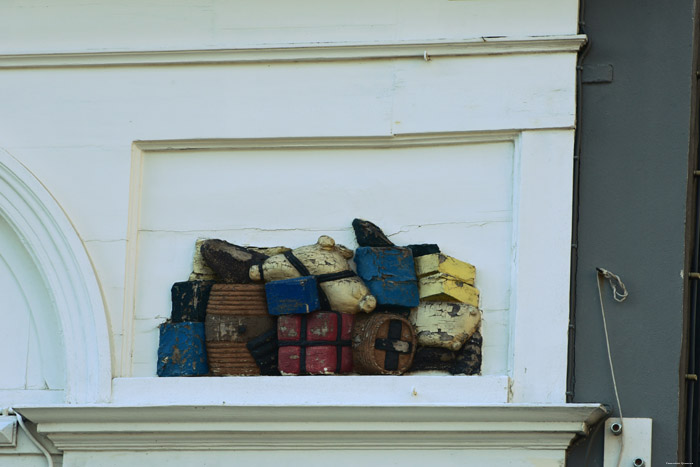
(63, 262)
(132, 232)
(541, 265)
(12, 397)
(338, 427)
(331, 142)
(316, 52)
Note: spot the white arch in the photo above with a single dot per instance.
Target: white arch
(62, 260)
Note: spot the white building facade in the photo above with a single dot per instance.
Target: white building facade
(129, 130)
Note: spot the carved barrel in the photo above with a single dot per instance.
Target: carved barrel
(383, 344)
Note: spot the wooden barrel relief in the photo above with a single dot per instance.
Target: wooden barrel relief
(236, 314)
(237, 299)
(231, 358)
(383, 344)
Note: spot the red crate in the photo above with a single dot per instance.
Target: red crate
(315, 344)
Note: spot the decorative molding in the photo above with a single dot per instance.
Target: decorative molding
(63, 262)
(361, 427)
(8, 431)
(320, 52)
(330, 142)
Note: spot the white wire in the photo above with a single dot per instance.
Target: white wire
(43, 450)
(619, 297)
(615, 281)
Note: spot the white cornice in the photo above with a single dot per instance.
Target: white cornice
(225, 427)
(317, 52)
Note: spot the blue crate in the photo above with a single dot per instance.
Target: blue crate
(390, 275)
(394, 294)
(182, 351)
(292, 296)
(393, 263)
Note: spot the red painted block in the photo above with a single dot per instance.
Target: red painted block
(315, 344)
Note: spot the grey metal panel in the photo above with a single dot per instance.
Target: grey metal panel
(633, 179)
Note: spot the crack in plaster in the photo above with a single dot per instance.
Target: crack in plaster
(410, 227)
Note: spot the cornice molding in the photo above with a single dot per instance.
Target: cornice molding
(225, 427)
(329, 142)
(317, 52)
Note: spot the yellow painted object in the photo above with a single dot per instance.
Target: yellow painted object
(444, 324)
(439, 263)
(445, 288)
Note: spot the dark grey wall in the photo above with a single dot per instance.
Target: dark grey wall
(632, 208)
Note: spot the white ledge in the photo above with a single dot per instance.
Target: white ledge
(311, 390)
(317, 52)
(11, 397)
(224, 427)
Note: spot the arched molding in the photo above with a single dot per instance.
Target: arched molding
(65, 267)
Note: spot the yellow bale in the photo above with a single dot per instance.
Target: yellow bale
(445, 288)
(444, 324)
(439, 263)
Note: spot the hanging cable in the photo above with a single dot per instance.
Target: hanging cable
(620, 295)
(615, 282)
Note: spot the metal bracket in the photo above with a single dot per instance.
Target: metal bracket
(8, 431)
(633, 437)
(592, 74)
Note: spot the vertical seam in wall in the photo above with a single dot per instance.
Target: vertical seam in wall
(571, 358)
(516, 176)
